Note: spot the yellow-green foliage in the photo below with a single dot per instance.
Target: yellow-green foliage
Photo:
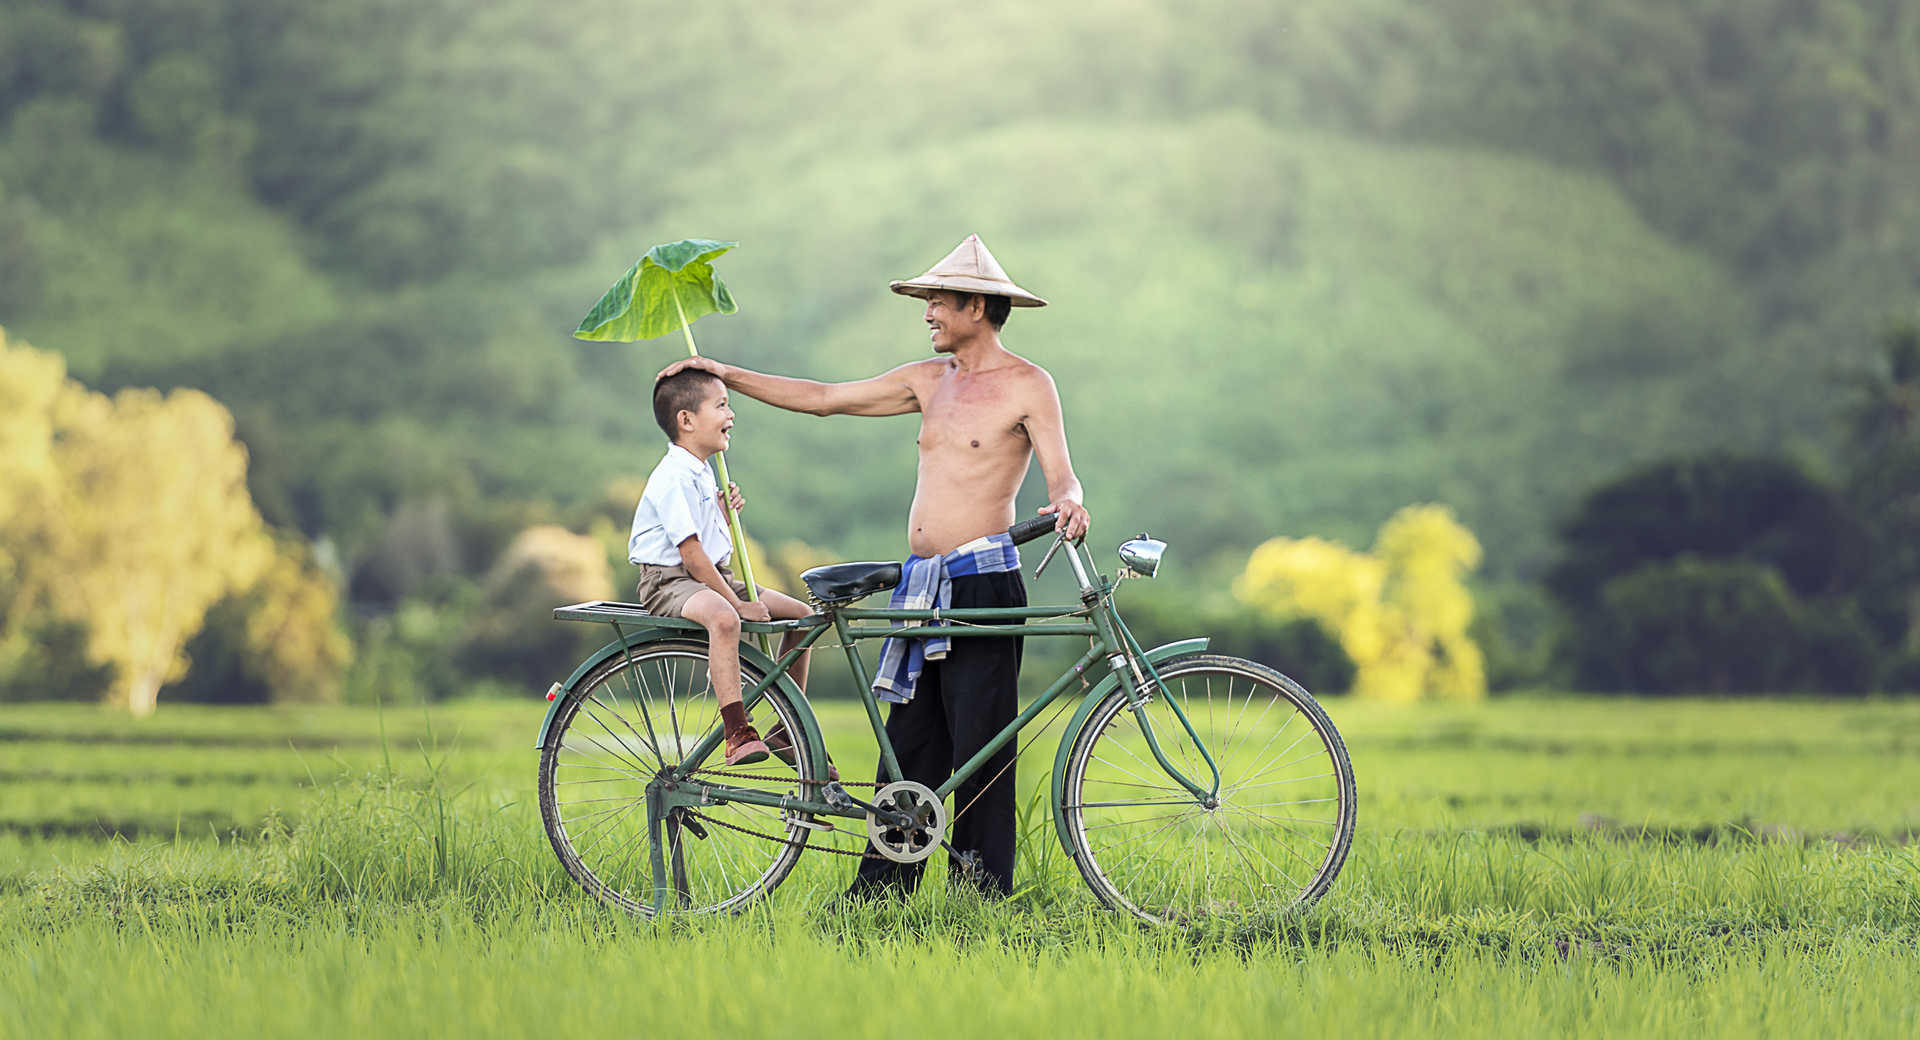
(127, 514)
(1401, 611)
(290, 627)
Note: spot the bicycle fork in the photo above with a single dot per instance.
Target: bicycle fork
(1126, 664)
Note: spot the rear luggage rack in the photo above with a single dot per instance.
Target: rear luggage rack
(607, 610)
(612, 612)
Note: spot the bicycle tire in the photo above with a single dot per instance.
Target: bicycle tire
(630, 717)
(1163, 856)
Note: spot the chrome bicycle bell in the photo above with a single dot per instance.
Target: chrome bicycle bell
(1142, 554)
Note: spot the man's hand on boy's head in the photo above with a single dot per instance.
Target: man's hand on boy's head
(751, 610)
(704, 364)
(733, 490)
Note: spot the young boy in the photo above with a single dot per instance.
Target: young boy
(681, 542)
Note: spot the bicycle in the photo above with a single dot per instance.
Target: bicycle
(1180, 788)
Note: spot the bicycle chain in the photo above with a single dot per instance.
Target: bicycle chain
(764, 777)
(777, 840)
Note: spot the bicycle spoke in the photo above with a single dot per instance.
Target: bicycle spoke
(1109, 782)
(1241, 848)
(617, 814)
(1276, 819)
(673, 716)
(1297, 801)
(1143, 781)
(617, 738)
(1275, 783)
(625, 774)
(1115, 805)
(1141, 839)
(1136, 822)
(620, 875)
(1144, 764)
(1256, 722)
(1259, 756)
(1286, 848)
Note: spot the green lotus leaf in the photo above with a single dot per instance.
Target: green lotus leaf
(641, 304)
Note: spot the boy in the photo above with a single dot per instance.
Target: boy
(681, 542)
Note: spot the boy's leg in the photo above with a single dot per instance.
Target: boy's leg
(722, 623)
(786, 608)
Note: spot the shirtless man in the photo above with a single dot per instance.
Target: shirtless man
(985, 414)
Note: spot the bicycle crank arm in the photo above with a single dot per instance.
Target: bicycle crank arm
(838, 797)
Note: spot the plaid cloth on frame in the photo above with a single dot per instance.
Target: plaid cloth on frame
(926, 583)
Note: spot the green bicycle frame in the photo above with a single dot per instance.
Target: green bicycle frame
(1129, 667)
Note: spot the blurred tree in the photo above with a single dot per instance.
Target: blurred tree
(1718, 507)
(22, 278)
(32, 388)
(46, 51)
(278, 640)
(420, 544)
(1884, 427)
(1716, 574)
(1693, 625)
(1402, 613)
(153, 525)
(408, 656)
(172, 99)
(1428, 556)
(45, 658)
(1302, 648)
(1885, 412)
(144, 523)
(513, 635)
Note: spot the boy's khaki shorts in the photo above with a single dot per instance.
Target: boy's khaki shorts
(665, 590)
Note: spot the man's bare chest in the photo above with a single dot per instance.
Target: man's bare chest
(961, 419)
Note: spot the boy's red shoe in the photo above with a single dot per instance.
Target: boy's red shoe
(744, 747)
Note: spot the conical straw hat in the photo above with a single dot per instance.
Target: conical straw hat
(969, 268)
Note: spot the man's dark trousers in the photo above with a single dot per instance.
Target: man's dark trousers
(960, 704)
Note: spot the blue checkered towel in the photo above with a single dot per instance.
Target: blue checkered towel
(926, 583)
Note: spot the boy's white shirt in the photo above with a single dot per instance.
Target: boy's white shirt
(681, 499)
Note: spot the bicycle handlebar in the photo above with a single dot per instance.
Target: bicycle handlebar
(1027, 530)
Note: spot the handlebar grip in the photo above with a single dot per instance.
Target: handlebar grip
(1027, 530)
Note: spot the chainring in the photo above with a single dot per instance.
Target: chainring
(910, 844)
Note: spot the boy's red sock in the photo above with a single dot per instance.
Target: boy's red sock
(733, 716)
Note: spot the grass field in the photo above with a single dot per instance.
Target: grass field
(1570, 865)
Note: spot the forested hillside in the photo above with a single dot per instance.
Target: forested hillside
(1308, 262)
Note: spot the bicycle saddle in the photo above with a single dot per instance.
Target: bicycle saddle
(846, 582)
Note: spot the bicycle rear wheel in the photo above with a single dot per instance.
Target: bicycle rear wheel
(1284, 816)
(624, 723)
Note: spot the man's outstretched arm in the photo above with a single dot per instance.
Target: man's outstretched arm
(890, 393)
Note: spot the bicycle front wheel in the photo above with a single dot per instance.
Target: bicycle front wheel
(1275, 835)
(633, 717)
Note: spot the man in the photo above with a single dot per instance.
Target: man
(985, 414)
